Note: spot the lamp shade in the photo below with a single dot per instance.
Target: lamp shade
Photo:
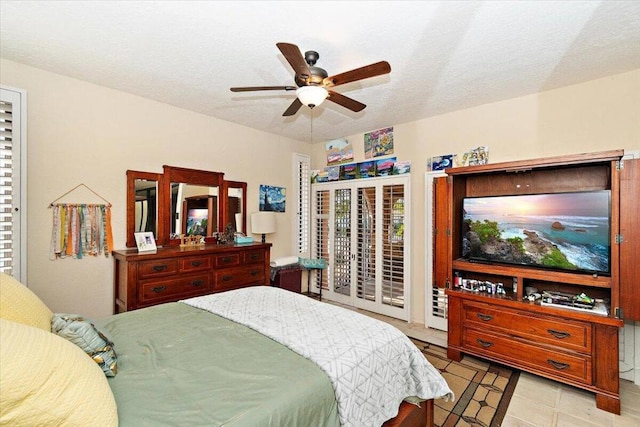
(312, 96)
(263, 222)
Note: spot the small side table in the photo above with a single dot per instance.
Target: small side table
(310, 264)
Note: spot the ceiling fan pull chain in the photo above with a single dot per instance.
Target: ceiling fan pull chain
(311, 126)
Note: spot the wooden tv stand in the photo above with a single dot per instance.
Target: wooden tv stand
(576, 347)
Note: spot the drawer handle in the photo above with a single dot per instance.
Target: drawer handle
(254, 256)
(485, 344)
(484, 317)
(159, 267)
(558, 365)
(198, 282)
(227, 259)
(195, 263)
(254, 273)
(559, 334)
(158, 289)
(226, 278)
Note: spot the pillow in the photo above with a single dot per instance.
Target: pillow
(46, 380)
(85, 335)
(19, 304)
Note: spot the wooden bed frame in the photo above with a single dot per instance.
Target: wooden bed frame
(411, 415)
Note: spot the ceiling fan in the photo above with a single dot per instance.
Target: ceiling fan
(314, 85)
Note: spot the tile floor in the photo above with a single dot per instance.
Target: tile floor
(539, 402)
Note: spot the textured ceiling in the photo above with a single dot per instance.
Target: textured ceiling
(444, 55)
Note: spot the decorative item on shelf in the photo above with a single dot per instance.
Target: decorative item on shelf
(263, 223)
(193, 240)
(438, 163)
(402, 167)
(476, 156)
(367, 169)
(228, 235)
(384, 167)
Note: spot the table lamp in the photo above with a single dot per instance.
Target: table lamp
(263, 223)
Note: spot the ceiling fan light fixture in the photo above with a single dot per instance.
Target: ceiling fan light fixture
(312, 96)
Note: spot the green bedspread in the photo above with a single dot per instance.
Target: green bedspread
(181, 366)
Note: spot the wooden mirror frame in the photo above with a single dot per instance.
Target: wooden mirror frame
(225, 200)
(193, 177)
(163, 213)
(132, 176)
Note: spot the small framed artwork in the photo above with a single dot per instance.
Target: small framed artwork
(145, 242)
(272, 199)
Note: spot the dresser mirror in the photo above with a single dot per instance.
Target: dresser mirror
(192, 203)
(236, 205)
(143, 201)
(183, 201)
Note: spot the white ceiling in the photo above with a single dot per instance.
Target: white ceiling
(444, 55)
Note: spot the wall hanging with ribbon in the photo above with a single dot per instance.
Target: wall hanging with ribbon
(80, 229)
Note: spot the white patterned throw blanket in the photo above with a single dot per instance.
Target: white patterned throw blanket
(371, 364)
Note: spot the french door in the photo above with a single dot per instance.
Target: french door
(361, 228)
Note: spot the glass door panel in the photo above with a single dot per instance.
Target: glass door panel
(366, 244)
(393, 268)
(342, 242)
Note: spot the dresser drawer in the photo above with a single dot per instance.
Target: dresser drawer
(249, 257)
(155, 291)
(233, 278)
(158, 267)
(574, 367)
(568, 334)
(195, 263)
(226, 260)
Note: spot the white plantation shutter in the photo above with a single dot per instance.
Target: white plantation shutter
(302, 180)
(11, 214)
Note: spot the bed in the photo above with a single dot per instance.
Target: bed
(217, 360)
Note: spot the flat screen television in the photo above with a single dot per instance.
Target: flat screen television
(561, 231)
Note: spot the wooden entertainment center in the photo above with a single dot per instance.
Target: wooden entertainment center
(576, 347)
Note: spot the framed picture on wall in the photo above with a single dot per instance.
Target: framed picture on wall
(145, 242)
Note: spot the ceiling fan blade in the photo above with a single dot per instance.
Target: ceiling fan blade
(253, 88)
(293, 108)
(372, 70)
(345, 101)
(293, 55)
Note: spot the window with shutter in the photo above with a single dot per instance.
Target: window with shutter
(302, 179)
(12, 131)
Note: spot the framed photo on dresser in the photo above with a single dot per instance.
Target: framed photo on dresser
(145, 242)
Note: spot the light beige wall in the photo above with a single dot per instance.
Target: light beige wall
(82, 133)
(599, 115)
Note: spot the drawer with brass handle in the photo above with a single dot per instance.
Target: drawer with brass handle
(566, 334)
(156, 268)
(566, 365)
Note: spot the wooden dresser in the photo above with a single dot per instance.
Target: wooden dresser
(173, 273)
